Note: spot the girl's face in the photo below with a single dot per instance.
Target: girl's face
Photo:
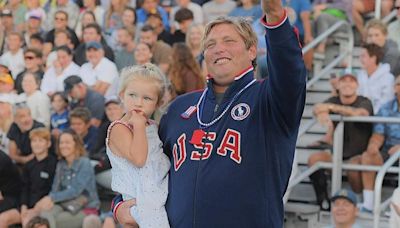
(142, 54)
(58, 103)
(67, 145)
(141, 94)
(29, 84)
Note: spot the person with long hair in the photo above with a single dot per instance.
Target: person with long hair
(74, 180)
(185, 73)
(193, 41)
(113, 17)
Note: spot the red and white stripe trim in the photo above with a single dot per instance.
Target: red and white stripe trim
(244, 72)
(274, 25)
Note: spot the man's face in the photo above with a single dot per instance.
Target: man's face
(76, 92)
(94, 55)
(60, 21)
(344, 212)
(148, 37)
(123, 37)
(31, 60)
(347, 87)
(63, 58)
(376, 36)
(34, 23)
(23, 119)
(61, 39)
(7, 21)
(156, 23)
(90, 34)
(79, 126)
(226, 55)
(14, 42)
(149, 5)
(367, 60)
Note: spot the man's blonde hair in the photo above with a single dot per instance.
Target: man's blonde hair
(378, 24)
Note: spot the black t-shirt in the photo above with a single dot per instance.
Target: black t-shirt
(21, 139)
(37, 178)
(51, 35)
(356, 135)
(10, 180)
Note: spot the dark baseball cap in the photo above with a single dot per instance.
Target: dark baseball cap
(94, 45)
(70, 82)
(6, 13)
(345, 194)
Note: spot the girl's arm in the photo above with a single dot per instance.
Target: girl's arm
(130, 143)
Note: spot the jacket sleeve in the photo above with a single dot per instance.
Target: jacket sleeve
(285, 86)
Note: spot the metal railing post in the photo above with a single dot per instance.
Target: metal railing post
(337, 158)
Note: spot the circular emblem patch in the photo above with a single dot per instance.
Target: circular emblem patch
(240, 111)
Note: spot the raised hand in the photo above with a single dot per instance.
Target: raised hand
(273, 9)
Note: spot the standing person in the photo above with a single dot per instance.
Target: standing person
(234, 142)
(139, 167)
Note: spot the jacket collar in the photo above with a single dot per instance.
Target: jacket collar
(241, 80)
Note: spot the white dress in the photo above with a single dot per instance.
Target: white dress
(148, 185)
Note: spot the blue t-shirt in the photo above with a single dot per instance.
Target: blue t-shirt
(60, 121)
(299, 6)
(90, 140)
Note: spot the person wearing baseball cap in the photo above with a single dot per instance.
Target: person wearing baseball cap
(356, 135)
(344, 209)
(6, 83)
(83, 96)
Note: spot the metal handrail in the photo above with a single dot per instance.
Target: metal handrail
(378, 186)
(338, 59)
(378, 4)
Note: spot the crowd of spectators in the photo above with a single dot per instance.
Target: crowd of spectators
(59, 71)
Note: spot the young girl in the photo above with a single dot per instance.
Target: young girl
(139, 166)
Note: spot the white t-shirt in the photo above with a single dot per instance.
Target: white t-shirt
(105, 71)
(53, 83)
(15, 63)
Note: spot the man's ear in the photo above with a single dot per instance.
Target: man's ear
(252, 52)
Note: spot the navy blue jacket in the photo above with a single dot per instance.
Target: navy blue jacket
(239, 176)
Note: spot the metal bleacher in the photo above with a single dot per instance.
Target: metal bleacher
(301, 211)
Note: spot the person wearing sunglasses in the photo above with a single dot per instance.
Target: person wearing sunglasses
(33, 64)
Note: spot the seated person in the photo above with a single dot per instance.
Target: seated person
(82, 96)
(394, 27)
(79, 119)
(374, 79)
(356, 135)
(344, 209)
(37, 174)
(377, 34)
(74, 180)
(384, 142)
(19, 146)
(10, 191)
(59, 119)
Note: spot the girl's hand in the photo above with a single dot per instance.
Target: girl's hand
(137, 118)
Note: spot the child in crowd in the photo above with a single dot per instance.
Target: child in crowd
(139, 166)
(38, 173)
(79, 119)
(59, 118)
